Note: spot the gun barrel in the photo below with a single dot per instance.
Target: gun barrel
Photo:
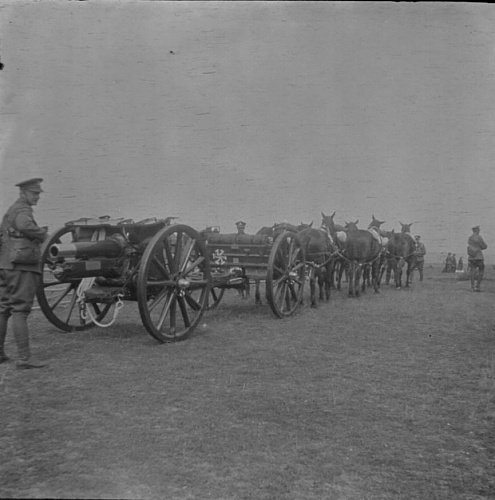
(109, 248)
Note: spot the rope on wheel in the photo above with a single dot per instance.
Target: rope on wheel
(118, 306)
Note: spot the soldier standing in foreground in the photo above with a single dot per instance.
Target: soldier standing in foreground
(476, 261)
(20, 269)
(419, 257)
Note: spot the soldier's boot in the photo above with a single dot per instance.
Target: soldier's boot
(21, 335)
(4, 319)
(472, 277)
(478, 281)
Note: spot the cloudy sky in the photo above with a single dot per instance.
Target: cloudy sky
(265, 111)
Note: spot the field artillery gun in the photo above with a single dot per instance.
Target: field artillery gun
(235, 259)
(92, 265)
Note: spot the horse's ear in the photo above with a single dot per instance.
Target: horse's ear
(323, 215)
(333, 215)
(356, 222)
(311, 225)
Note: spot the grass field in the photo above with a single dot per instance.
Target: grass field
(388, 396)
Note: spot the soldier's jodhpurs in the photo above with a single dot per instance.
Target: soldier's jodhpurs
(477, 268)
(17, 291)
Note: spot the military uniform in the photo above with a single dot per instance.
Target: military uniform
(476, 261)
(419, 257)
(241, 227)
(18, 282)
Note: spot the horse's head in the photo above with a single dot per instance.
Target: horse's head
(268, 231)
(375, 222)
(304, 226)
(406, 228)
(351, 226)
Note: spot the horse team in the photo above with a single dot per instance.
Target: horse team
(364, 255)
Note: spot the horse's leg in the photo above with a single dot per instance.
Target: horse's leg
(357, 279)
(366, 277)
(375, 274)
(351, 279)
(257, 295)
(312, 287)
(332, 275)
(328, 281)
(408, 273)
(343, 271)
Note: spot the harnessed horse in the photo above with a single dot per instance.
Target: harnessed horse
(360, 248)
(337, 233)
(319, 254)
(399, 251)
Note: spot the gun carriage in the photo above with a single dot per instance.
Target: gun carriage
(90, 266)
(236, 259)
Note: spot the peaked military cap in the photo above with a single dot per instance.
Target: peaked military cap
(475, 228)
(31, 185)
(417, 236)
(240, 224)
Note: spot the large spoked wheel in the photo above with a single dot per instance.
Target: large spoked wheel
(173, 283)
(57, 299)
(216, 296)
(286, 275)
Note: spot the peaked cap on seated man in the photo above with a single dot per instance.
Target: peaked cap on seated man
(31, 185)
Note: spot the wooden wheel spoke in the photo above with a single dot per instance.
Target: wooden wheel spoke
(193, 304)
(287, 298)
(173, 312)
(71, 307)
(168, 255)
(164, 283)
(158, 299)
(183, 310)
(278, 290)
(166, 309)
(187, 254)
(293, 292)
(61, 297)
(193, 265)
(178, 250)
(283, 259)
(161, 266)
(298, 266)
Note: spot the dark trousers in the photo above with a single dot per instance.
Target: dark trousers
(17, 291)
(476, 271)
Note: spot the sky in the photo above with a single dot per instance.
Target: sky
(262, 111)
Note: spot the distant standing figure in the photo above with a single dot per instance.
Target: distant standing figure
(241, 227)
(476, 262)
(20, 269)
(460, 264)
(448, 263)
(419, 256)
(454, 264)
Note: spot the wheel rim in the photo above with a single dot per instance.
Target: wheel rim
(286, 275)
(173, 283)
(58, 300)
